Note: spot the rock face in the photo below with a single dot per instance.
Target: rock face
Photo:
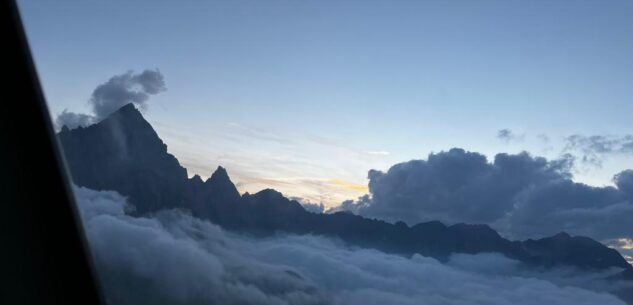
(124, 153)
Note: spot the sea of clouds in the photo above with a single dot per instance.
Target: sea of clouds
(173, 258)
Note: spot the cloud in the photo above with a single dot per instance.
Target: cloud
(624, 182)
(593, 149)
(73, 120)
(455, 186)
(316, 208)
(126, 88)
(543, 138)
(507, 136)
(118, 91)
(517, 194)
(354, 206)
(173, 258)
(348, 185)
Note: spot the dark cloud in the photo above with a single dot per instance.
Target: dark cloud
(508, 135)
(455, 186)
(593, 149)
(624, 182)
(118, 91)
(173, 258)
(353, 206)
(598, 212)
(520, 195)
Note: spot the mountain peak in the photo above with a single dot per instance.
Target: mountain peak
(220, 172)
(270, 193)
(196, 179)
(128, 108)
(219, 176)
(106, 156)
(562, 236)
(220, 183)
(128, 114)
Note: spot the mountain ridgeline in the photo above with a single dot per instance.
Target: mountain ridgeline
(123, 153)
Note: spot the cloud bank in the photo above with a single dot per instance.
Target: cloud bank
(519, 195)
(173, 258)
(118, 91)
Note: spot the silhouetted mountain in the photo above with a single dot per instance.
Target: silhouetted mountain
(577, 250)
(124, 153)
(216, 199)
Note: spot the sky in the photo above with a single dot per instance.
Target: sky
(307, 96)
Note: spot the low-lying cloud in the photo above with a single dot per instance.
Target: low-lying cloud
(173, 258)
(118, 91)
(520, 195)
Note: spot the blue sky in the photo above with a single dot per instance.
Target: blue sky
(306, 96)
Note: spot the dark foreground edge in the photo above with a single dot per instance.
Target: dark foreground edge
(43, 253)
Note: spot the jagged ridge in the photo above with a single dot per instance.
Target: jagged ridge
(124, 153)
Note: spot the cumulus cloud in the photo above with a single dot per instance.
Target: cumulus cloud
(507, 135)
(126, 88)
(353, 206)
(173, 258)
(118, 91)
(520, 195)
(455, 186)
(593, 149)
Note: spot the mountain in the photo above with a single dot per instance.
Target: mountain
(124, 153)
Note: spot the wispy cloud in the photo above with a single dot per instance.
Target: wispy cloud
(260, 134)
(330, 191)
(293, 161)
(506, 135)
(594, 149)
(378, 153)
(621, 243)
(349, 185)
